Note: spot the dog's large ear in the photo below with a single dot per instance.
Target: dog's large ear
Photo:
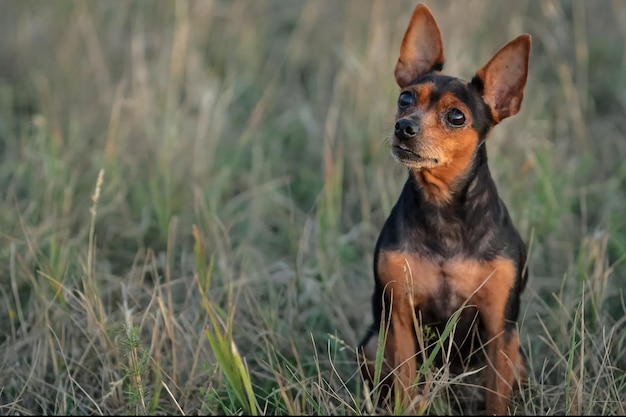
(504, 77)
(422, 48)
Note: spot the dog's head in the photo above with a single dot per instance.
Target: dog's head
(442, 119)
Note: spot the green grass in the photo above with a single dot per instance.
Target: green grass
(190, 195)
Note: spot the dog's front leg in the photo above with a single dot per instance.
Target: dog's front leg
(400, 349)
(504, 359)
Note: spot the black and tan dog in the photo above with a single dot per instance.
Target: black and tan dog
(449, 244)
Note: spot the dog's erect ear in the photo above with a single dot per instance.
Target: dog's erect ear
(504, 78)
(422, 48)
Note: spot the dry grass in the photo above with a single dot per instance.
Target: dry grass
(190, 193)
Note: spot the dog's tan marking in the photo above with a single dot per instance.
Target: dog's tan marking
(412, 281)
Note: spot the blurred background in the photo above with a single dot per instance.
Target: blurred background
(172, 167)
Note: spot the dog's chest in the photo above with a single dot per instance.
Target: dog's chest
(443, 286)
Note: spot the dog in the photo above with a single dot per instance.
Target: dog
(449, 247)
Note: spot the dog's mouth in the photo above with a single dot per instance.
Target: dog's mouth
(410, 158)
(403, 148)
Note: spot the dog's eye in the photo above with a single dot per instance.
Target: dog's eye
(406, 100)
(455, 117)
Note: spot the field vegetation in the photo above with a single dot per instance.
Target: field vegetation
(190, 193)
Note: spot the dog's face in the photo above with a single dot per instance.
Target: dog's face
(441, 119)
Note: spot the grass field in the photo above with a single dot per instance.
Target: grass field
(190, 195)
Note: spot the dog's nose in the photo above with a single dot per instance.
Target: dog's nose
(405, 129)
